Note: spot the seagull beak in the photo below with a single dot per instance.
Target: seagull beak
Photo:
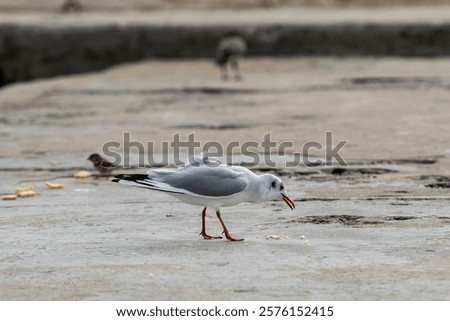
(288, 201)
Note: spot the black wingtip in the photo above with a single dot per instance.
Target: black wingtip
(129, 177)
(117, 178)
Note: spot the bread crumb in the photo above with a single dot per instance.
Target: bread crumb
(54, 185)
(82, 174)
(26, 193)
(23, 189)
(9, 197)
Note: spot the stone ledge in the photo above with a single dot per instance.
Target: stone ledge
(34, 47)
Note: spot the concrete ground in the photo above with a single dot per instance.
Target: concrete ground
(377, 229)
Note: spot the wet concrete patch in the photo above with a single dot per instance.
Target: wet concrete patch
(225, 126)
(399, 82)
(438, 181)
(334, 171)
(439, 185)
(355, 168)
(434, 181)
(352, 220)
(424, 160)
(358, 171)
(157, 91)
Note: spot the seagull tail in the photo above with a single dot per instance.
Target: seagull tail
(130, 179)
(143, 181)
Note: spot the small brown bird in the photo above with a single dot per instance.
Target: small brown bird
(101, 165)
(229, 51)
(71, 6)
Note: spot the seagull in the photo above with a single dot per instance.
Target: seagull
(229, 51)
(101, 165)
(209, 183)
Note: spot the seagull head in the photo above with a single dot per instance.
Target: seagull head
(273, 189)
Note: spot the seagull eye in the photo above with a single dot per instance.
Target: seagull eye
(273, 184)
(281, 187)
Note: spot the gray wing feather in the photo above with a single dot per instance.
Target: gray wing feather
(206, 181)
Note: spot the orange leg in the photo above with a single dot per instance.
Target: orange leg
(225, 230)
(203, 232)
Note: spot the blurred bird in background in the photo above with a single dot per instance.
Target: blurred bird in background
(71, 6)
(103, 166)
(228, 53)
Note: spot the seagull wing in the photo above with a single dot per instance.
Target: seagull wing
(202, 181)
